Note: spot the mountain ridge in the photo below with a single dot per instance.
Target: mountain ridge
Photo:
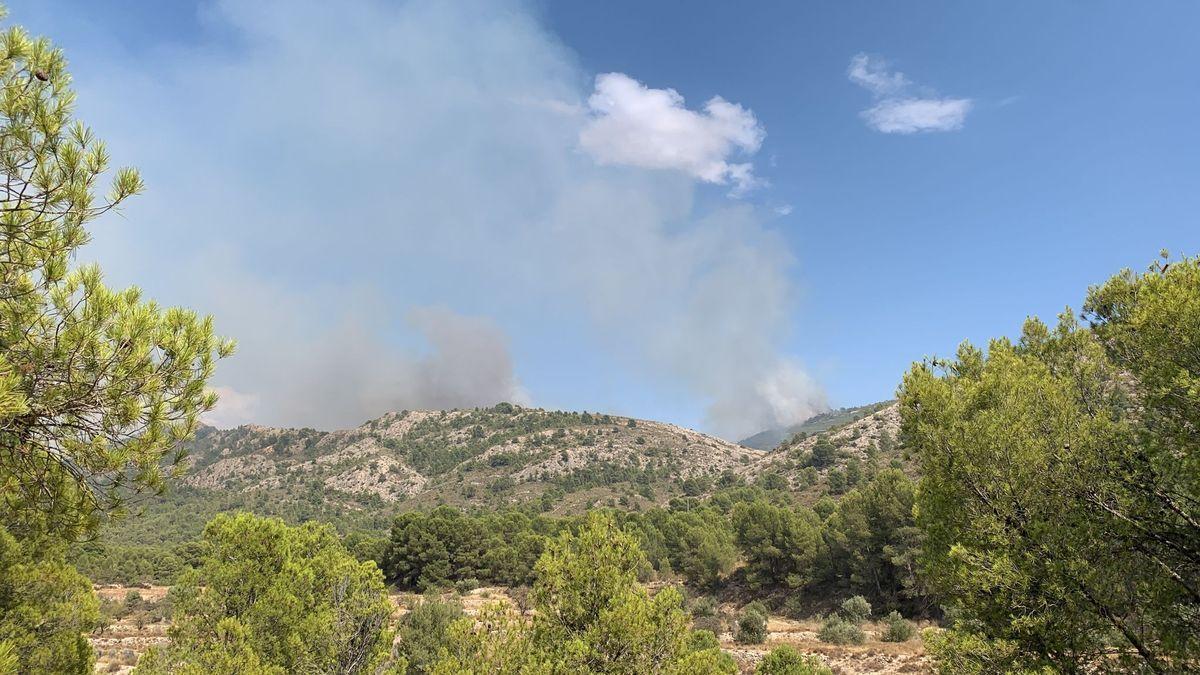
(509, 455)
(470, 457)
(770, 439)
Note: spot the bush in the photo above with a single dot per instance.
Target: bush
(795, 607)
(705, 605)
(706, 642)
(823, 454)
(703, 639)
(424, 630)
(786, 660)
(897, 629)
(961, 651)
(709, 618)
(856, 610)
(46, 608)
(752, 625)
(838, 631)
(133, 600)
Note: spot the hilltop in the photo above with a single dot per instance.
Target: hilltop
(509, 455)
(504, 455)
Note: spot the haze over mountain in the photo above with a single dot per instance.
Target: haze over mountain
(769, 439)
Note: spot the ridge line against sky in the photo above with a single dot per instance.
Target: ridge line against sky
(727, 220)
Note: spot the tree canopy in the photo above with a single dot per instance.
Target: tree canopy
(276, 598)
(46, 608)
(1059, 480)
(590, 616)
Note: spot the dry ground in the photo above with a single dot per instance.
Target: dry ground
(121, 643)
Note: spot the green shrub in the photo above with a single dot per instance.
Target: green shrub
(794, 607)
(424, 630)
(703, 639)
(706, 642)
(268, 597)
(46, 608)
(968, 653)
(786, 660)
(897, 629)
(133, 600)
(752, 625)
(705, 605)
(714, 622)
(856, 610)
(838, 631)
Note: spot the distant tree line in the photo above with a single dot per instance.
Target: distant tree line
(864, 544)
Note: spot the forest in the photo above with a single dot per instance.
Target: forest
(1051, 522)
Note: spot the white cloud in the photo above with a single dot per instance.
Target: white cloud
(634, 125)
(872, 75)
(897, 110)
(910, 115)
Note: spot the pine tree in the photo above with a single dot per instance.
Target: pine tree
(1060, 482)
(276, 598)
(97, 385)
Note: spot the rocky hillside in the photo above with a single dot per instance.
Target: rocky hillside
(836, 458)
(832, 419)
(505, 454)
(512, 455)
(557, 462)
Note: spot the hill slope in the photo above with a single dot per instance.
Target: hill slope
(500, 455)
(772, 438)
(560, 462)
(837, 458)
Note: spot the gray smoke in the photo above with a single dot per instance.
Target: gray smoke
(326, 167)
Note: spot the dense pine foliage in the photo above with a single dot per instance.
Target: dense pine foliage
(1060, 487)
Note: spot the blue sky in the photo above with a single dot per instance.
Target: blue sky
(382, 194)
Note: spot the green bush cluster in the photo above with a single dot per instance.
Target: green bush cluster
(897, 628)
(785, 660)
(840, 631)
(752, 624)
